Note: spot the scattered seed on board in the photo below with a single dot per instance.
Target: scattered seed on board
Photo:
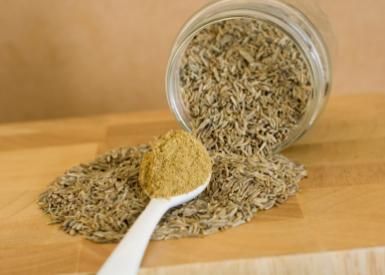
(102, 199)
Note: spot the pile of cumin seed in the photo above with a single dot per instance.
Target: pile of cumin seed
(246, 86)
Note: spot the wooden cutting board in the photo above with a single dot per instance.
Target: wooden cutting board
(334, 225)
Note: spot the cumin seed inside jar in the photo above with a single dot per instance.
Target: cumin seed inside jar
(248, 77)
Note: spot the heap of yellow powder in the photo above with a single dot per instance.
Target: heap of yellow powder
(176, 164)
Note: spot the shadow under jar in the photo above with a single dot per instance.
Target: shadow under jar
(305, 30)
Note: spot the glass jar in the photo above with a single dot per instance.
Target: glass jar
(304, 23)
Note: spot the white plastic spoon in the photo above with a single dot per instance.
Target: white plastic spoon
(127, 256)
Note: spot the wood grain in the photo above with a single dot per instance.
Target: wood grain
(340, 207)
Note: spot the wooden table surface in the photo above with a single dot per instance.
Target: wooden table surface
(334, 225)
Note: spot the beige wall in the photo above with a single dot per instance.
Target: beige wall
(60, 58)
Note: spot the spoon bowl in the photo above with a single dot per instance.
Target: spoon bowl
(127, 256)
(180, 199)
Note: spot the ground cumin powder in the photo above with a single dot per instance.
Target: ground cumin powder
(176, 164)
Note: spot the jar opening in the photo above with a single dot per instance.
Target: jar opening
(297, 28)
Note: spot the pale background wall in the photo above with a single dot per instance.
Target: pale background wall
(65, 58)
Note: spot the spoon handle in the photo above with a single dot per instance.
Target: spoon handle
(127, 256)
